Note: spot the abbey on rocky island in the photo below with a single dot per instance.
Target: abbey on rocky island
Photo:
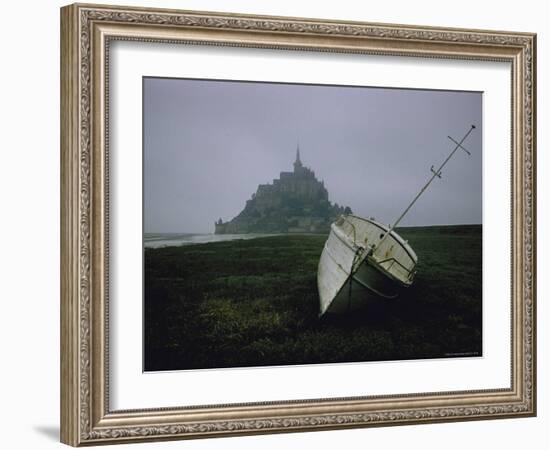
(295, 203)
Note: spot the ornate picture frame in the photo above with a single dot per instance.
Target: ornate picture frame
(87, 31)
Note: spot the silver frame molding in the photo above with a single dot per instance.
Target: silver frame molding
(86, 32)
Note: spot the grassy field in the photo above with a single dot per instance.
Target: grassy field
(255, 302)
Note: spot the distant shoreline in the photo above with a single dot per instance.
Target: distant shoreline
(160, 240)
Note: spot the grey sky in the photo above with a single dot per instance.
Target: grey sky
(208, 144)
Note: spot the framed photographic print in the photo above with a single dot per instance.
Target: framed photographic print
(275, 224)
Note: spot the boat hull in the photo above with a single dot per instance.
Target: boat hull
(349, 280)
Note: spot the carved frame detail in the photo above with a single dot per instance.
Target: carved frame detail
(87, 31)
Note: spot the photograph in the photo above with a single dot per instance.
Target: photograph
(292, 220)
(295, 224)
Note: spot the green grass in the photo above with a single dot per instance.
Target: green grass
(255, 303)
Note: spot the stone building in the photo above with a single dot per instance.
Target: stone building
(296, 202)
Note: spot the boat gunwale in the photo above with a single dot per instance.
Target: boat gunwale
(408, 249)
(375, 264)
(369, 260)
(373, 261)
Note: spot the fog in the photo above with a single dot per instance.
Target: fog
(208, 144)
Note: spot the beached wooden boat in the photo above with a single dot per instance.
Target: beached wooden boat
(351, 273)
(363, 259)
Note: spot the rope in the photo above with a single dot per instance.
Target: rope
(352, 271)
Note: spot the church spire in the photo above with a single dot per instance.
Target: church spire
(297, 163)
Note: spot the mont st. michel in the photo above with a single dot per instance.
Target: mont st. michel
(296, 202)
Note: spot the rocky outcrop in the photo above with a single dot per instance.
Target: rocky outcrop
(296, 202)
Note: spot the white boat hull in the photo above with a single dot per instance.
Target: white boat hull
(348, 279)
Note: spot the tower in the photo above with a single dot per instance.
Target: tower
(297, 164)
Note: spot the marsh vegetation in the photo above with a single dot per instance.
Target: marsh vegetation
(255, 303)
